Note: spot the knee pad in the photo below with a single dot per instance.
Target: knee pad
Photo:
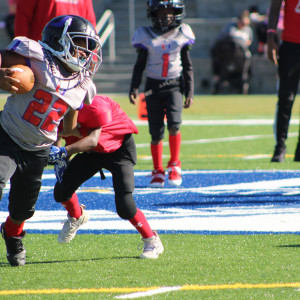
(59, 194)
(125, 205)
(174, 126)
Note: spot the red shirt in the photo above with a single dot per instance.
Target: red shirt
(291, 30)
(33, 15)
(106, 113)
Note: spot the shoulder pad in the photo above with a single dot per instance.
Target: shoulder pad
(187, 31)
(140, 37)
(27, 48)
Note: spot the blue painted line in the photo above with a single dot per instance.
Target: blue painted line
(208, 202)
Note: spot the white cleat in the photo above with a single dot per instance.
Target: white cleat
(71, 225)
(152, 247)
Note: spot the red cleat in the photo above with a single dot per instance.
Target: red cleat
(158, 178)
(174, 170)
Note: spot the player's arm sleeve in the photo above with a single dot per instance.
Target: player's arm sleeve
(24, 16)
(188, 74)
(274, 14)
(138, 69)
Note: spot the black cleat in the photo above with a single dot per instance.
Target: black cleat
(16, 253)
(279, 155)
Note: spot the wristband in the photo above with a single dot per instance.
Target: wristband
(271, 31)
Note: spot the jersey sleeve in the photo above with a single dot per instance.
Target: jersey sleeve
(96, 115)
(139, 38)
(27, 48)
(90, 94)
(189, 34)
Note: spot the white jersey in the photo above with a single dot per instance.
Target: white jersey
(31, 119)
(164, 60)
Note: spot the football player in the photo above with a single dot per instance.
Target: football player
(63, 63)
(106, 142)
(163, 49)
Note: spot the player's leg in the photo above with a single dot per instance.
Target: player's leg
(174, 112)
(288, 83)
(25, 185)
(156, 112)
(121, 165)
(11, 231)
(82, 167)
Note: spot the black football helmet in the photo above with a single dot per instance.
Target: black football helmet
(165, 24)
(73, 40)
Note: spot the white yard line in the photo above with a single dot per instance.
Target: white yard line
(223, 140)
(241, 122)
(149, 293)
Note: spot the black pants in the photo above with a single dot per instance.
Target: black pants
(165, 101)
(24, 169)
(121, 165)
(289, 71)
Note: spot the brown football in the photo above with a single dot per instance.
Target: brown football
(26, 77)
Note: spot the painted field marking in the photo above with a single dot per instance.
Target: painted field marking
(248, 200)
(243, 156)
(127, 290)
(240, 122)
(222, 140)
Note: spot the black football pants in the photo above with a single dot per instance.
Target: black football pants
(289, 72)
(121, 165)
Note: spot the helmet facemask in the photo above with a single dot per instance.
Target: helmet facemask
(81, 52)
(165, 19)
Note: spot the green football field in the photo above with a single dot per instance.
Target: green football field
(223, 133)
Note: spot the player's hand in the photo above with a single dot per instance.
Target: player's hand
(59, 169)
(272, 48)
(133, 96)
(7, 82)
(188, 102)
(57, 154)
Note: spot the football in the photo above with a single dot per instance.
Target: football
(26, 77)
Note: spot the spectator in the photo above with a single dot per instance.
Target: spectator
(33, 15)
(258, 23)
(260, 26)
(164, 49)
(286, 56)
(240, 31)
(29, 122)
(231, 56)
(10, 18)
(107, 142)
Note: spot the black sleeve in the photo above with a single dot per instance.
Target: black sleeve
(188, 74)
(138, 69)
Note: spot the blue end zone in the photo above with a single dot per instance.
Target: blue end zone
(208, 202)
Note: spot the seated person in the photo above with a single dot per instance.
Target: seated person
(231, 55)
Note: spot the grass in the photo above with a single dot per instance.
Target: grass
(110, 261)
(103, 261)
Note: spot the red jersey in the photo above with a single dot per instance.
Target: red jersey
(107, 114)
(33, 15)
(291, 30)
